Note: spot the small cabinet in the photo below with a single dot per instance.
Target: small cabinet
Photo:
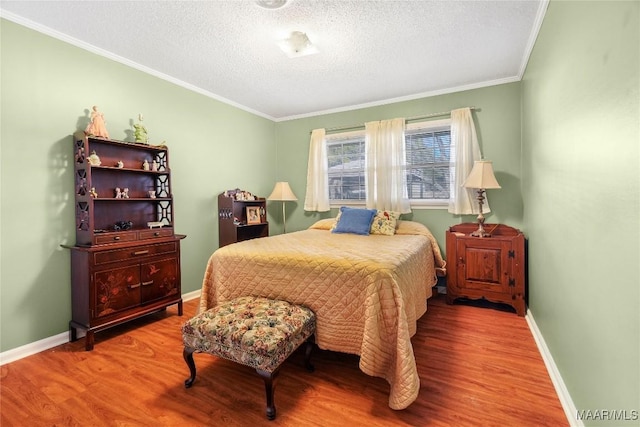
(240, 219)
(491, 268)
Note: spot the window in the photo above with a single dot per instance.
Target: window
(345, 157)
(428, 148)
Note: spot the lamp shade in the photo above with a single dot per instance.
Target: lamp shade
(282, 192)
(481, 176)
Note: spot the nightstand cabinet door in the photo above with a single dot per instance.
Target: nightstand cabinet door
(490, 268)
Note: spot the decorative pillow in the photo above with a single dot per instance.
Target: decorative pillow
(355, 221)
(324, 224)
(385, 223)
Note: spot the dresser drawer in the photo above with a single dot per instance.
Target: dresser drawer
(115, 255)
(125, 236)
(155, 233)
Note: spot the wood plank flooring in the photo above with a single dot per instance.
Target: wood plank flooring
(477, 366)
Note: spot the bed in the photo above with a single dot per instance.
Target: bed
(367, 291)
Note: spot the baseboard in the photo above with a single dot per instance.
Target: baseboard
(570, 409)
(56, 340)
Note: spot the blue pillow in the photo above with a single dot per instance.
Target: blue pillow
(355, 221)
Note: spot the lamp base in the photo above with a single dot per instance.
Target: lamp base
(480, 232)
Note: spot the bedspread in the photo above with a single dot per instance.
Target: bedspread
(367, 291)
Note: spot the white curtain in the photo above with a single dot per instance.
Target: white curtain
(317, 197)
(385, 174)
(464, 151)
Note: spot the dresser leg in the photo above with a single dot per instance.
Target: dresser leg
(88, 340)
(73, 334)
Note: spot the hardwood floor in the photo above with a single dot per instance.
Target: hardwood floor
(477, 366)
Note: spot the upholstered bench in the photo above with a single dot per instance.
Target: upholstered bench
(254, 331)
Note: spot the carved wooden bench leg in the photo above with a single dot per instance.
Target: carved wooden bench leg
(269, 387)
(307, 354)
(187, 353)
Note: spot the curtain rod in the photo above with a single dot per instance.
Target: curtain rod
(408, 119)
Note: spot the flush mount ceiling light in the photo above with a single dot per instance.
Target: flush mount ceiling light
(271, 4)
(298, 44)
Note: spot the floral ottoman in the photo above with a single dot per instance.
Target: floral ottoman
(254, 331)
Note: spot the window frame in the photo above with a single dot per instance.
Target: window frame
(427, 125)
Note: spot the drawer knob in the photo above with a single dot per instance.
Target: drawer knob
(137, 253)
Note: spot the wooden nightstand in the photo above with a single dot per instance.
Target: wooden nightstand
(490, 268)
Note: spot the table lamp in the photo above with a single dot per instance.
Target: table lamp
(481, 177)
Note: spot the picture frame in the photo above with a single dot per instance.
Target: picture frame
(253, 215)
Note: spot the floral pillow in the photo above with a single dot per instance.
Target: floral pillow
(384, 222)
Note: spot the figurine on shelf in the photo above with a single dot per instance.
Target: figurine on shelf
(120, 164)
(118, 193)
(96, 126)
(145, 165)
(94, 160)
(152, 194)
(140, 132)
(154, 166)
(125, 193)
(93, 192)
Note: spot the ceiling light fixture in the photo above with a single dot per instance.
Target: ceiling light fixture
(271, 4)
(298, 44)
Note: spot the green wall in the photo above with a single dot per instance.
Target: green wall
(564, 143)
(497, 120)
(48, 87)
(581, 191)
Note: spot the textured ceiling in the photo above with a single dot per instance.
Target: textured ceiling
(371, 52)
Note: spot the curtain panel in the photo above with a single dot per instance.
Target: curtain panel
(464, 152)
(385, 166)
(317, 196)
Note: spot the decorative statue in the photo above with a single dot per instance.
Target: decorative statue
(94, 159)
(140, 132)
(97, 126)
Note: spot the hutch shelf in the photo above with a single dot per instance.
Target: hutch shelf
(126, 260)
(234, 224)
(490, 268)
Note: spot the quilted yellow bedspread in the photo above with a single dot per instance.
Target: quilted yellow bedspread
(367, 291)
